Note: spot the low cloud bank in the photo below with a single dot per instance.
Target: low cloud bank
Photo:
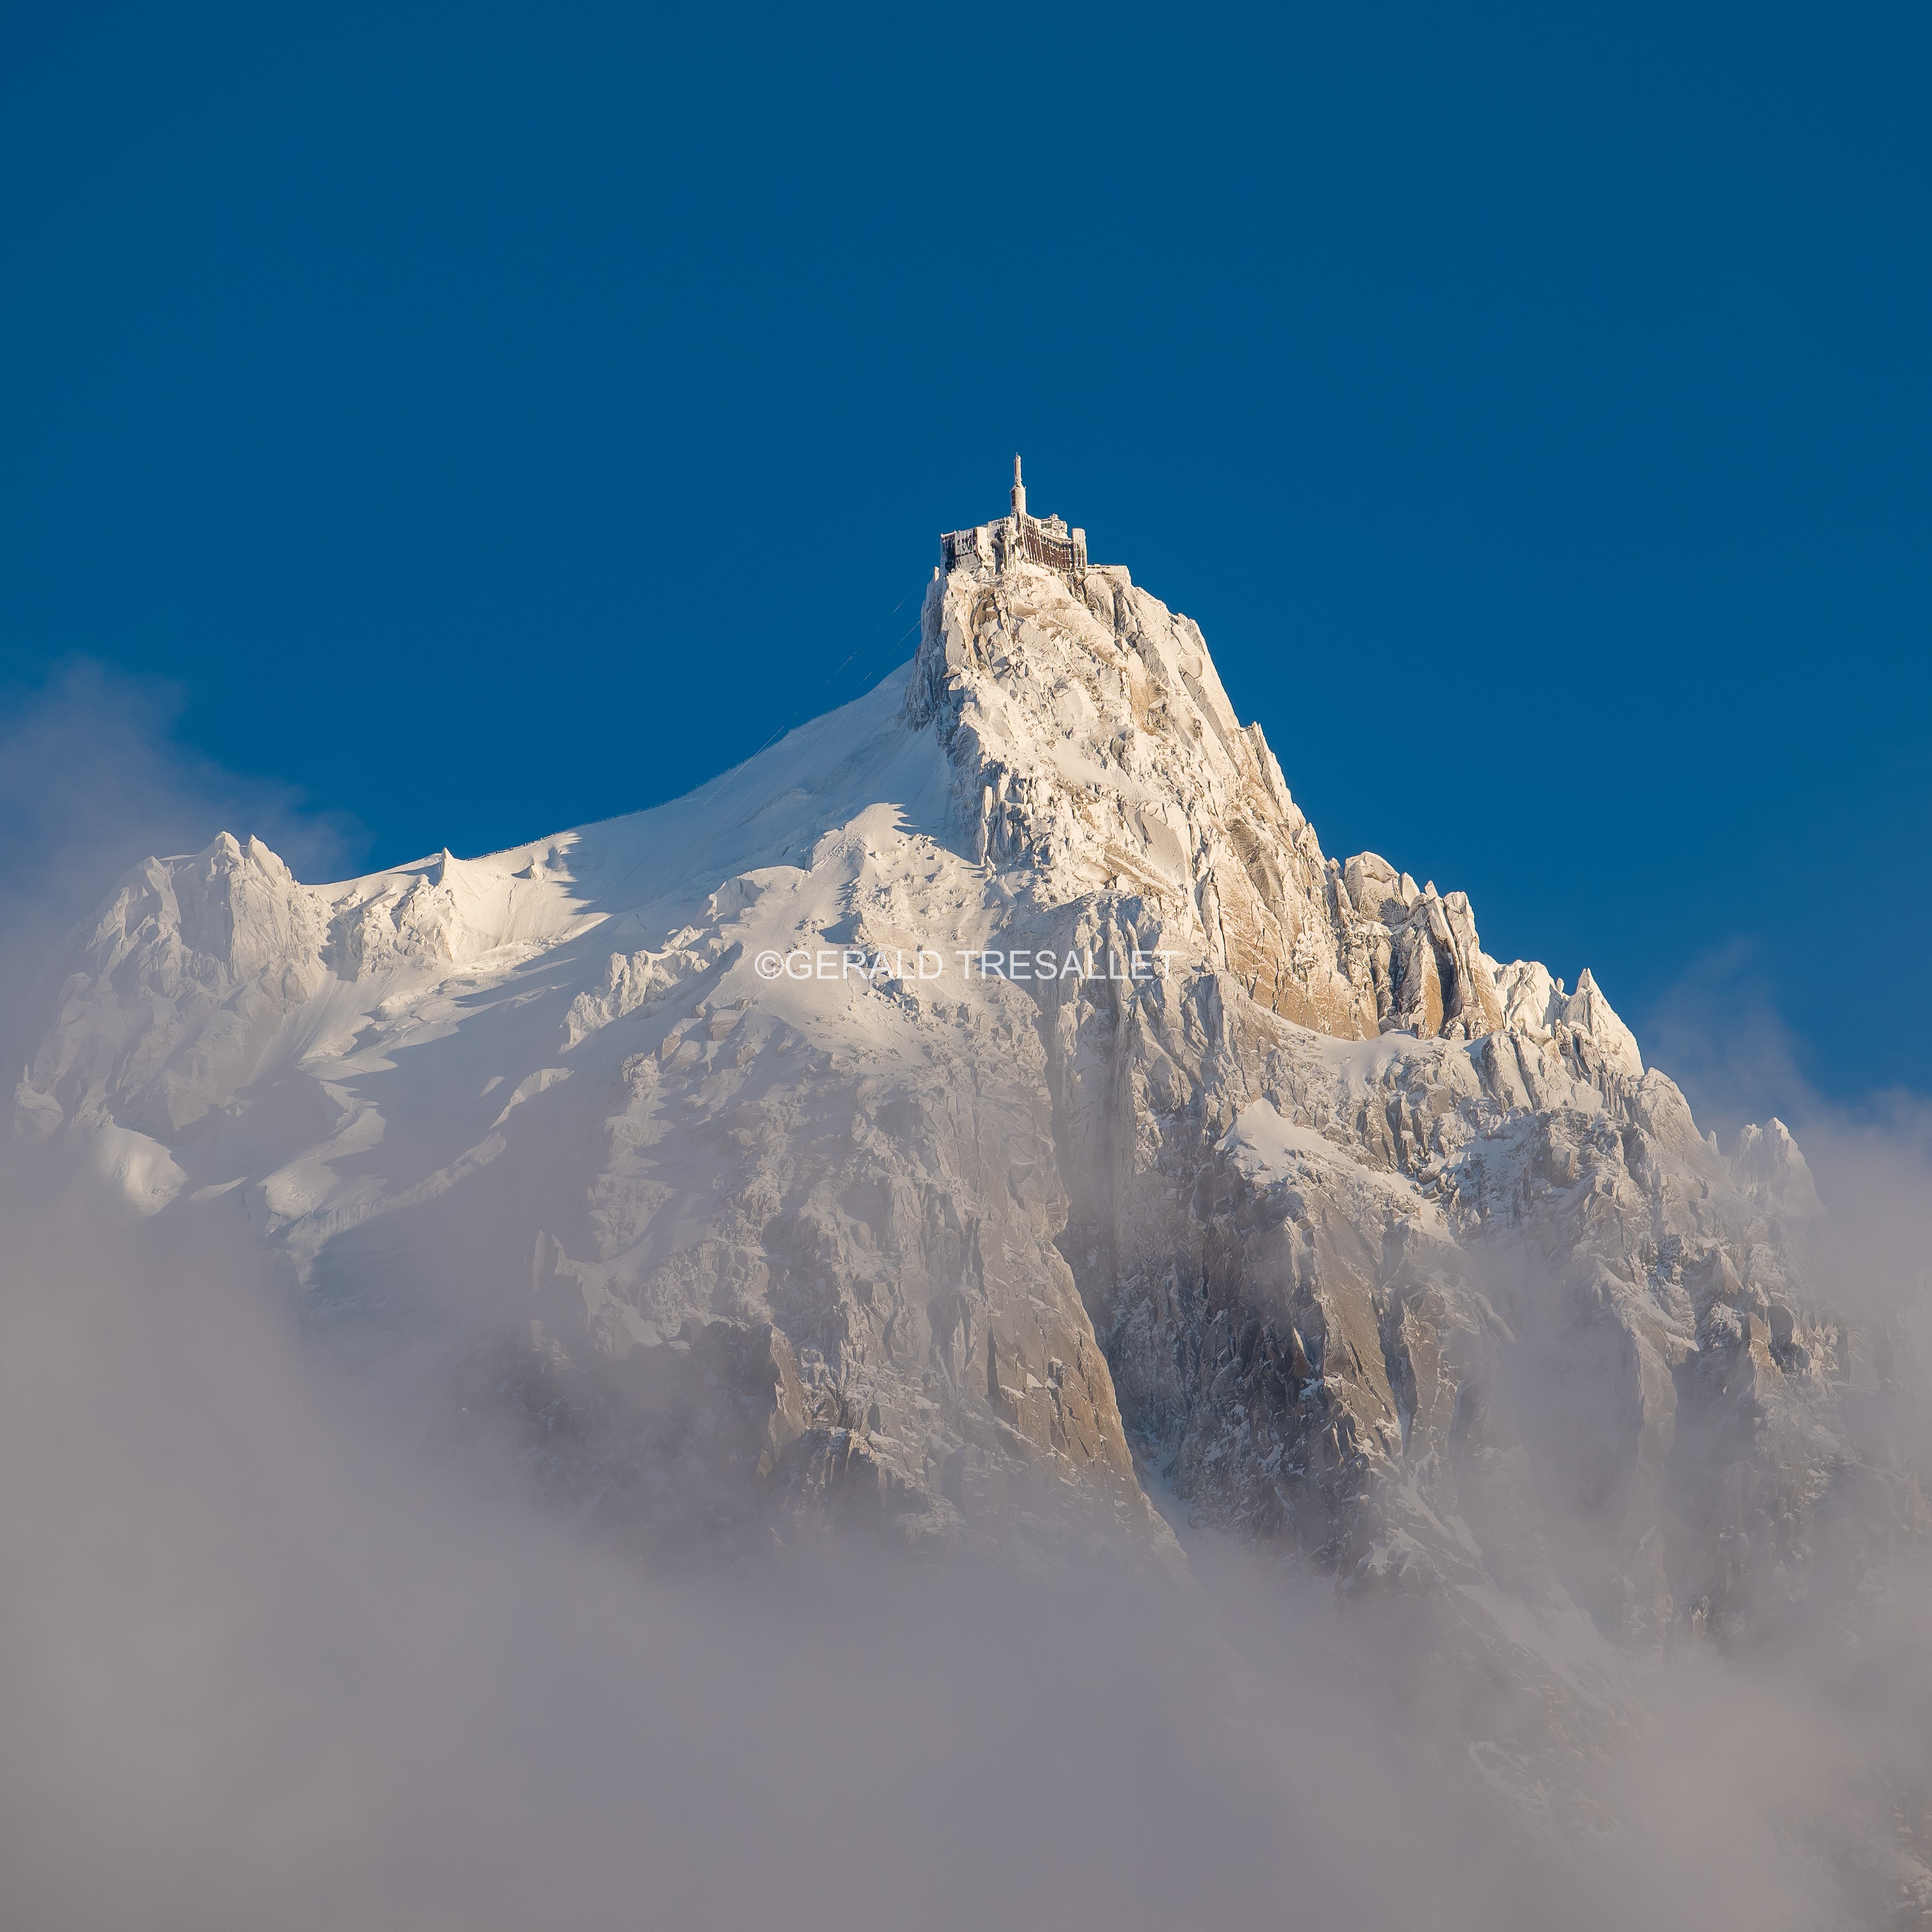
(266, 1664)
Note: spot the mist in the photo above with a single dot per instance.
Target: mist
(267, 1658)
(1721, 1036)
(266, 1663)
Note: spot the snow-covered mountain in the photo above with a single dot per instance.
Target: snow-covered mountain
(989, 1103)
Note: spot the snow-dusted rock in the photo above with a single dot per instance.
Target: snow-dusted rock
(1587, 1011)
(177, 992)
(1768, 1168)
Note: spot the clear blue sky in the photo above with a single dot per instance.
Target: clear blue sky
(498, 420)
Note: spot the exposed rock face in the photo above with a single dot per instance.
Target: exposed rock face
(1094, 752)
(1104, 1110)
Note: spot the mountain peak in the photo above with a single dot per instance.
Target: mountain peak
(1094, 749)
(990, 1083)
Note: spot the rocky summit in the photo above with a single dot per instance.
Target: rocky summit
(988, 1113)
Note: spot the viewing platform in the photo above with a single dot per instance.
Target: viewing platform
(1043, 540)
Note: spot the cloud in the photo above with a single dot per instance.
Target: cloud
(1720, 1035)
(265, 1665)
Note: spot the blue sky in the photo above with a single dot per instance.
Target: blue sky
(492, 421)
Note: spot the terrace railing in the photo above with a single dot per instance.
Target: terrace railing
(1031, 540)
